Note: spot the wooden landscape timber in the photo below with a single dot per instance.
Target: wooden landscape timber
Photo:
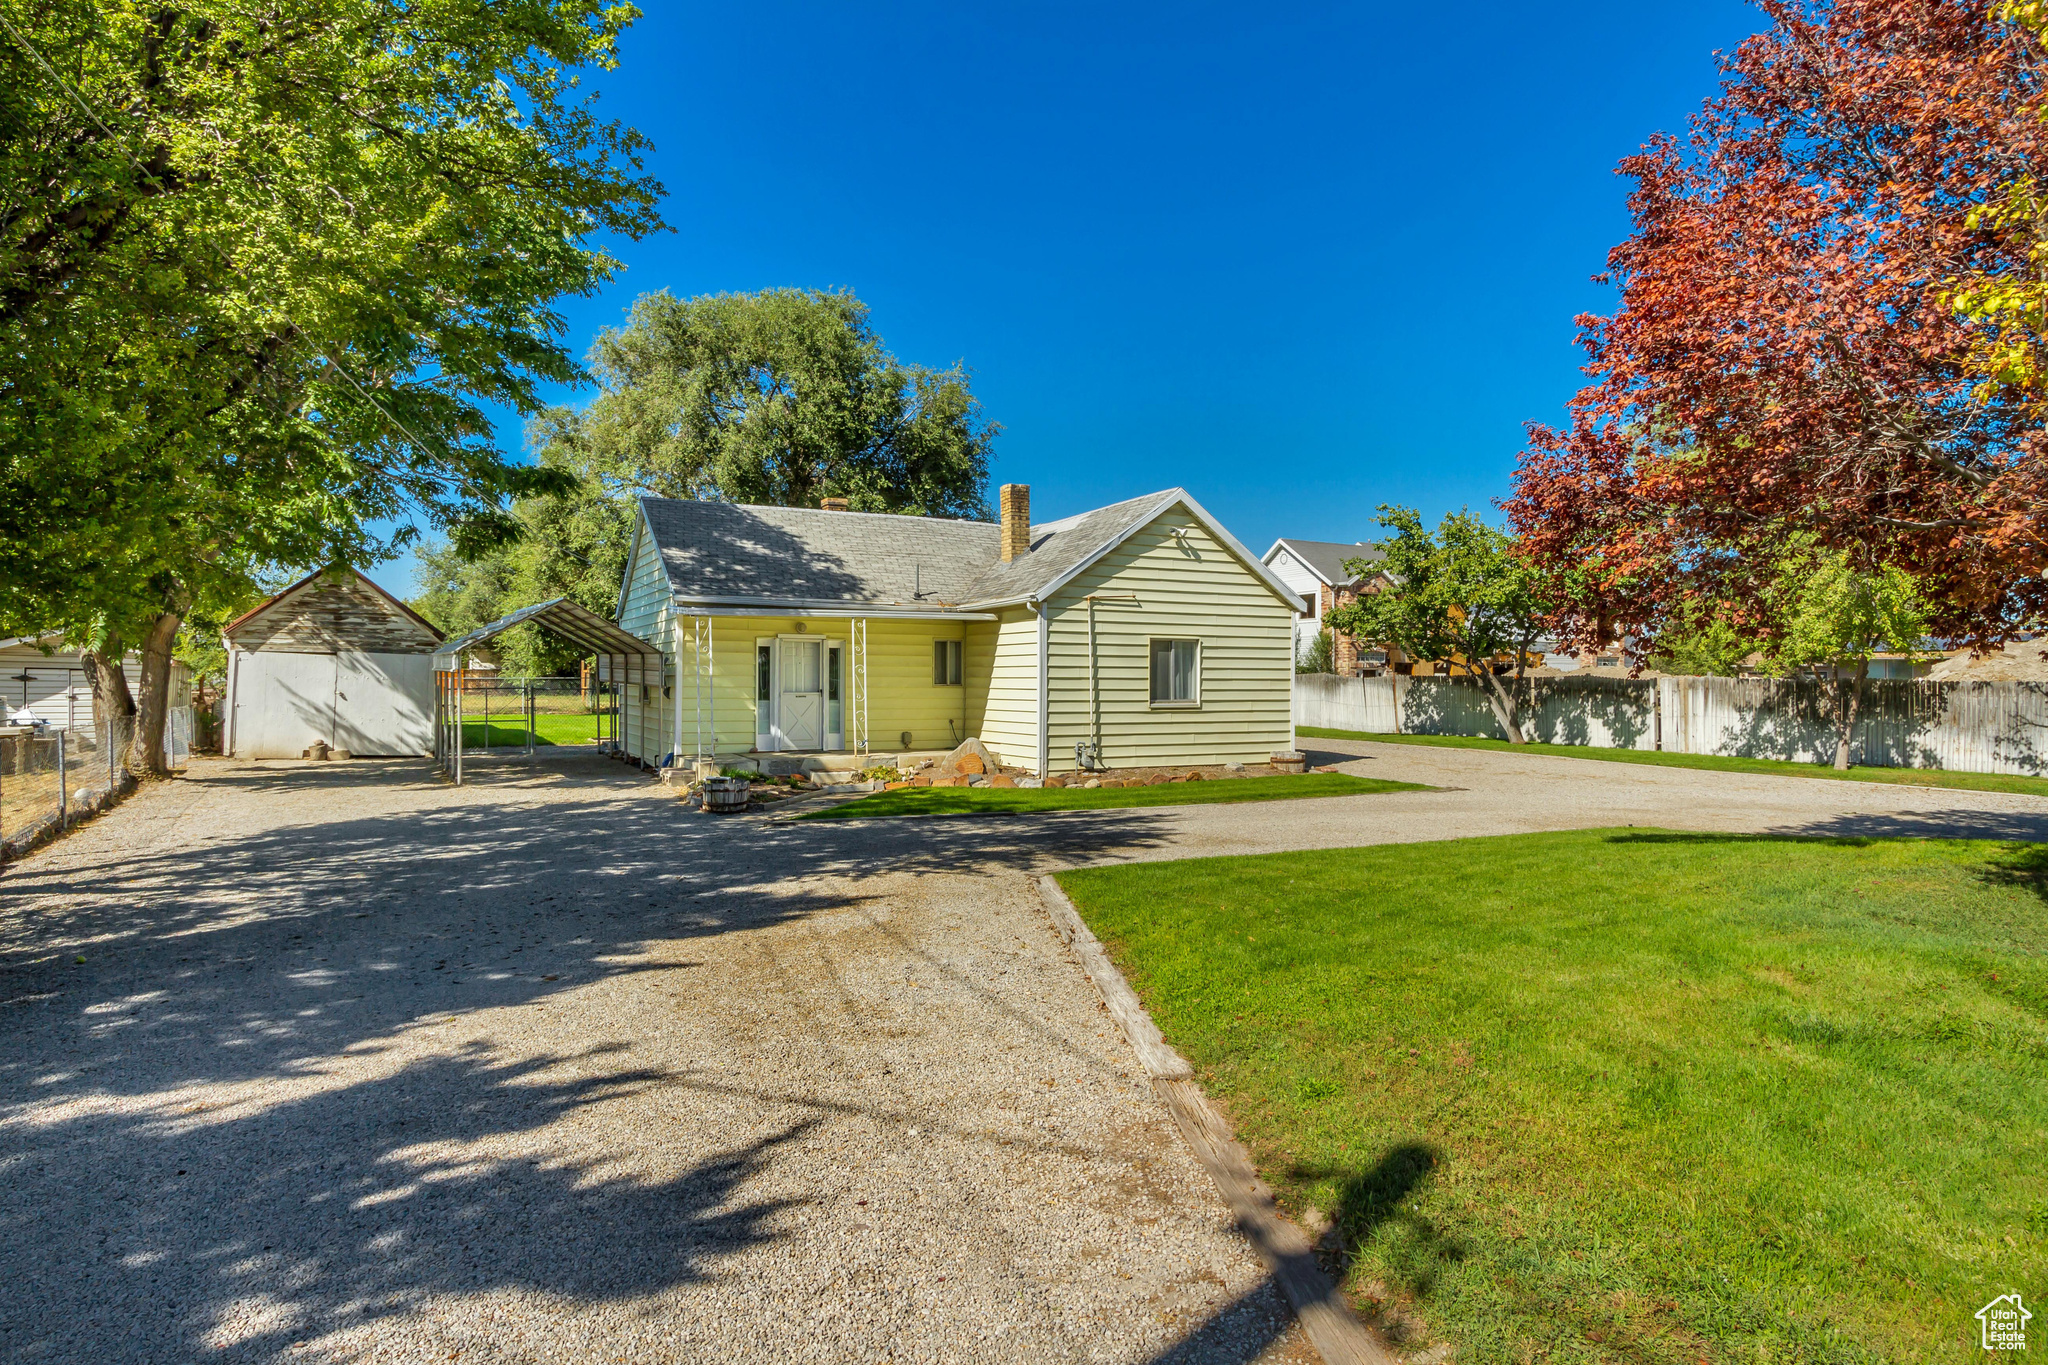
(1332, 1328)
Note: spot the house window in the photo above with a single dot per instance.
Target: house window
(764, 672)
(1176, 673)
(946, 663)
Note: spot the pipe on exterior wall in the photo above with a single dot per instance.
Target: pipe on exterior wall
(675, 635)
(1094, 687)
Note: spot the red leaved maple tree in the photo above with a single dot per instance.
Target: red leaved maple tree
(1787, 356)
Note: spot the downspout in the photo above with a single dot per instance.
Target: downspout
(1044, 697)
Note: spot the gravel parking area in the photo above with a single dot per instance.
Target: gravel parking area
(356, 1066)
(335, 1062)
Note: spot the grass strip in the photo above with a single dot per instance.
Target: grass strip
(547, 729)
(1912, 777)
(1022, 800)
(1629, 1094)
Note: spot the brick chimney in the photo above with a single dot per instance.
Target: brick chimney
(833, 504)
(1016, 499)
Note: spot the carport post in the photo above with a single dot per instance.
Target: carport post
(63, 795)
(459, 680)
(529, 718)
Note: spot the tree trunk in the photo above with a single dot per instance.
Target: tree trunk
(111, 700)
(1849, 701)
(152, 711)
(1503, 700)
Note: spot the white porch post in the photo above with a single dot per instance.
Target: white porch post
(859, 675)
(706, 689)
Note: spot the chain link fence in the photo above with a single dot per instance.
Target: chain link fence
(487, 715)
(51, 778)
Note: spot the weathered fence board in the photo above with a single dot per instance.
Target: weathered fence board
(1990, 727)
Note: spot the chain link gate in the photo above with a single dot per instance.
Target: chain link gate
(481, 716)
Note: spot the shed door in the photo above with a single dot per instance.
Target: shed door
(384, 704)
(283, 702)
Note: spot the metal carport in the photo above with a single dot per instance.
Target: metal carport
(623, 658)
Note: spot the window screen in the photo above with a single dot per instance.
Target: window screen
(946, 663)
(1173, 671)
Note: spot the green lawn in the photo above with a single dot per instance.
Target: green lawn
(1010, 800)
(1628, 1095)
(547, 729)
(1916, 777)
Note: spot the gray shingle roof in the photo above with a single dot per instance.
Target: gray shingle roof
(1326, 557)
(1059, 547)
(723, 549)
(792, 554)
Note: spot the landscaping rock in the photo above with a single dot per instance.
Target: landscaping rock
(972, 764)
(1055, 781)
(1002, 780)
(952, 763)
(1233, 767)
(1092, 782)
(920, 781)
(1157, 780)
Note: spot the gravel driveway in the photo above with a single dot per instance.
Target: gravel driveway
(360, 1067)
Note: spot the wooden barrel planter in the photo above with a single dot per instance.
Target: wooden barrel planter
(1290, 761)
(725, 793)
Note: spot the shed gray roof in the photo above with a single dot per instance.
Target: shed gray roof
(736, 552)
(1325, 558)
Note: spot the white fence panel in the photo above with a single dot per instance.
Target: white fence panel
(1996, 727)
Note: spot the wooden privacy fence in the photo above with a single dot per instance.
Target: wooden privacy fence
(1981, 727)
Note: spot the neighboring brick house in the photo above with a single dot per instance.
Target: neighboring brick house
(1315, 570)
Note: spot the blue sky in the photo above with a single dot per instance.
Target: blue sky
(1300, 259)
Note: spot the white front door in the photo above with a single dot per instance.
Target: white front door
(800, 702)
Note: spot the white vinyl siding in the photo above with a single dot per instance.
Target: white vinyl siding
(644, 611)
(1187, 587)
(1009, 725)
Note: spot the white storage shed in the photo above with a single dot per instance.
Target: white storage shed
(334, 658)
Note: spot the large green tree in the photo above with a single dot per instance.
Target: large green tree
(781, 397)
(571, 544)
(262, 272)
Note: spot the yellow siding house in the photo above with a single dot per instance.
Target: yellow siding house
(1138, 634)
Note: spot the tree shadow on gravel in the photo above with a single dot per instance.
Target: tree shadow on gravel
(184, 1235)
(1235, 1334)
(248, 952)
(290, 951)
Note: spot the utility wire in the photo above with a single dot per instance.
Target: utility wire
(324, 354)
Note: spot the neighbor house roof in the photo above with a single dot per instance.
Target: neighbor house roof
(1325, 558)
(737, 554)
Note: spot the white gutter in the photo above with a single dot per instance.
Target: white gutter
(756, 606)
